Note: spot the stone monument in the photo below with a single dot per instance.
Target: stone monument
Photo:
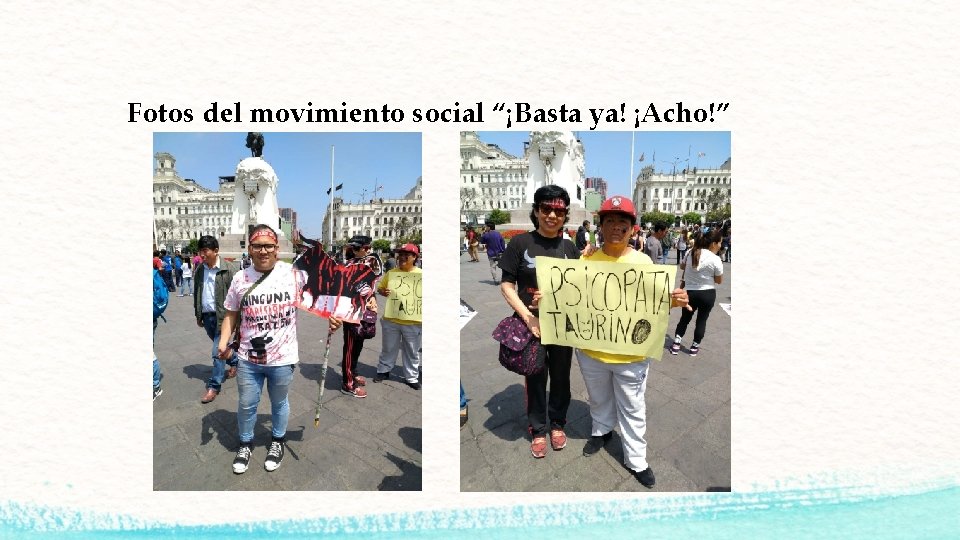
(554, 157)
(255, 196)
(254, 202)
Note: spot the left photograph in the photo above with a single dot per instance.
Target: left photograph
(287, 311)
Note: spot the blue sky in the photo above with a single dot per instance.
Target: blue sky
(607, 153)
(302, 163)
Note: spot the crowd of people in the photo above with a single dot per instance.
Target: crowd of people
(615, 383)
(248, 309)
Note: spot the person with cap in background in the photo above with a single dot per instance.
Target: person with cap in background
(355, 251)
(616, 383)
(400, 335)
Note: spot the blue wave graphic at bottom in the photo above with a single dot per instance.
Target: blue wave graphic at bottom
(797, 514)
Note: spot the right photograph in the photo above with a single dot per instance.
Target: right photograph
(595, 306)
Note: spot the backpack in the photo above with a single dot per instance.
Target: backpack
(160, 297)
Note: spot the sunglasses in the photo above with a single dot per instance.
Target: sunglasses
(559, 212)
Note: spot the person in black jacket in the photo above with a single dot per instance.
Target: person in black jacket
(519, 287)
(583, 235)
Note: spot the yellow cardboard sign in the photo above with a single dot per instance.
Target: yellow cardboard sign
(406, 296)
(619, 308)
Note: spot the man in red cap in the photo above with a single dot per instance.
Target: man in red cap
(616, 383)
(400, 335)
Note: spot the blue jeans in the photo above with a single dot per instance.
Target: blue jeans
(209, 321)
(463, 397)
(156, 363)
(250, 379)
(185, 284)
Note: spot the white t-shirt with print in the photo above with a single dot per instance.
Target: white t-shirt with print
(270, 311)
(701, 279)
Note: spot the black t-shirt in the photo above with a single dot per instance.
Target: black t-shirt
(518, 261)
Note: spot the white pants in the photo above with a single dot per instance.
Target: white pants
(403, 338)
(617, 398)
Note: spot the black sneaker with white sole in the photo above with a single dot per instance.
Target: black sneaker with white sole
(156, 392)
(274, 456)
(242, 461)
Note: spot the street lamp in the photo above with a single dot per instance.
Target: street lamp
(673, 181)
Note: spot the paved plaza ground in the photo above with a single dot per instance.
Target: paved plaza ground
(688, 411)
(361, 444)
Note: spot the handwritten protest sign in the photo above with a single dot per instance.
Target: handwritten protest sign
(619, 308)
(406, 296)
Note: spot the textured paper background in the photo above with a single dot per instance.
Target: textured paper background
(843, 121)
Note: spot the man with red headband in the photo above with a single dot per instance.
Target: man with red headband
(262, 300)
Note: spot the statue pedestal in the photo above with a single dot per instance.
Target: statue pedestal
(232, 246)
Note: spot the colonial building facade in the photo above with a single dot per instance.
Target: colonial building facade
(682, 192)
(184, 210)
(380, 219)
(490, 179)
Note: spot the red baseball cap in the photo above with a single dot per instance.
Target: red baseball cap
(409, 248)
(619, 204)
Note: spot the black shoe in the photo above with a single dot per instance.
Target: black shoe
(380, 377)
(156, 392)
(645, 477)
(415, 385)
(596, 442)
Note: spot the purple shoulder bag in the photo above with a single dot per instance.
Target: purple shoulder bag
(520, 351)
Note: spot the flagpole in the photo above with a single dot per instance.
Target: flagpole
(633, 135)
(332, 194)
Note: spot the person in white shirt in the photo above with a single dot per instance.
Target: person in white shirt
(263, 300)
(702, 272)
(186, 284)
